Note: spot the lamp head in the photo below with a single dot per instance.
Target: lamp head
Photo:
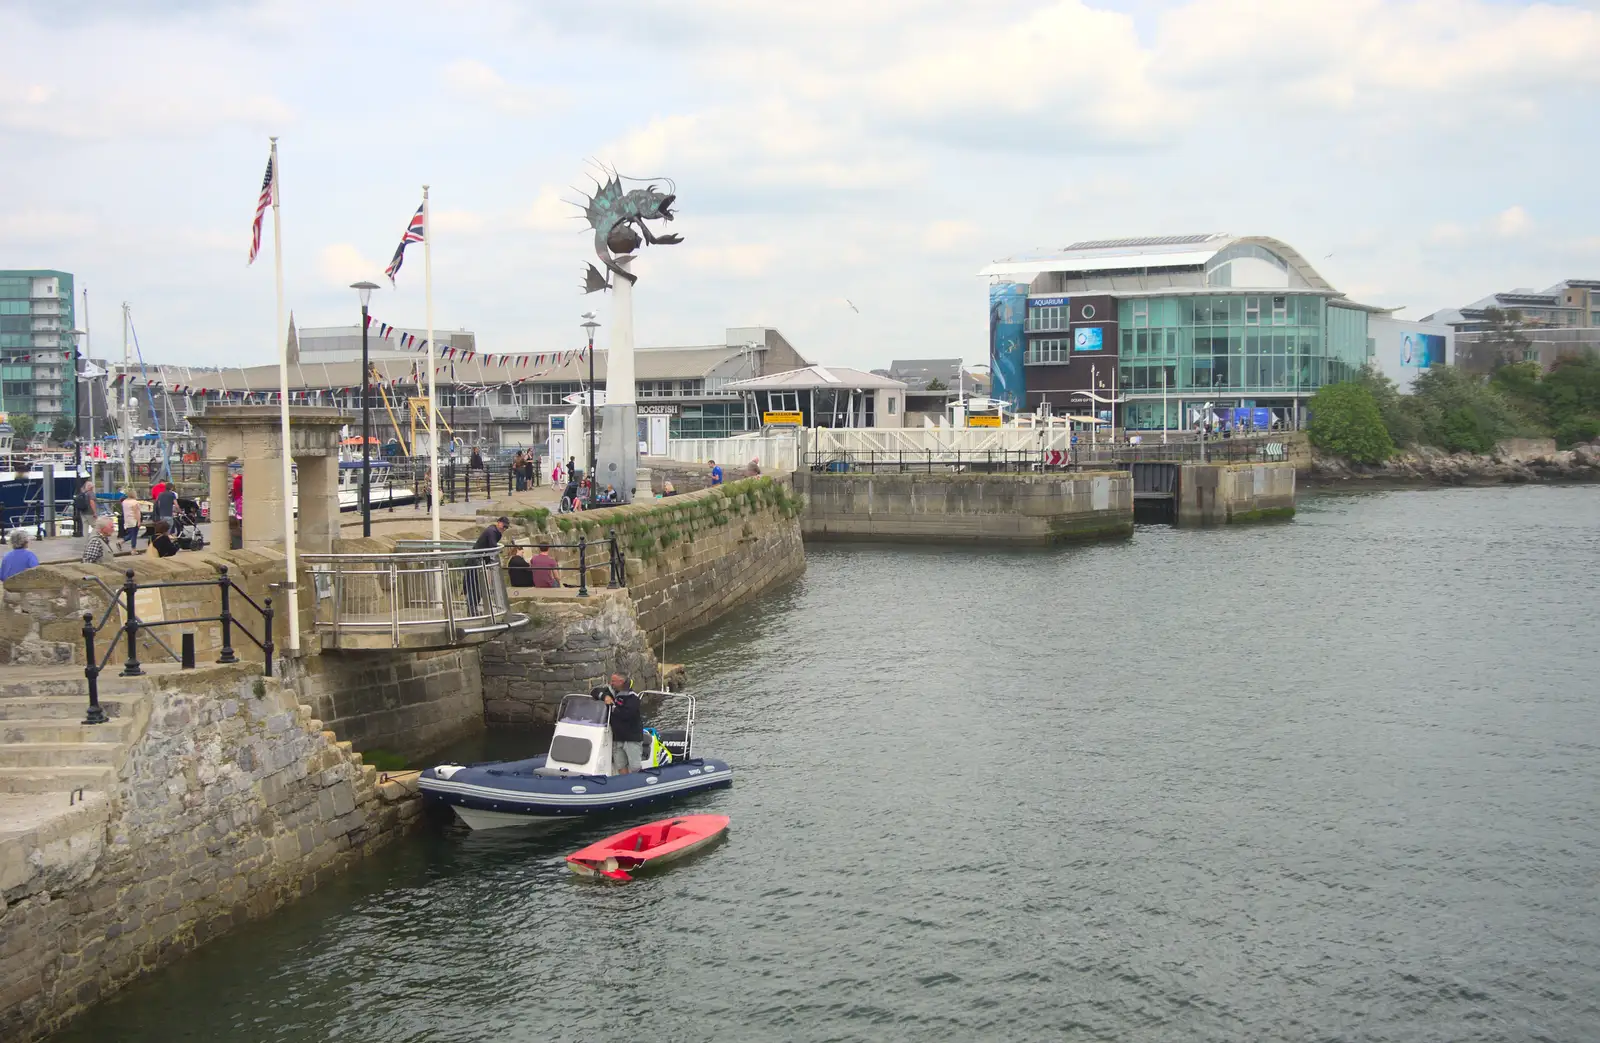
(365, 290)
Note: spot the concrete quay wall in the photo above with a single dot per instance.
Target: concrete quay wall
(1007, 508)
(402, 702)
(1220, 494)
(232, 801)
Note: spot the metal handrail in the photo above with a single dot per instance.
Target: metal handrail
(131, 625)
(462, 589)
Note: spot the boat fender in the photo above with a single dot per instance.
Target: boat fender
(444, 771)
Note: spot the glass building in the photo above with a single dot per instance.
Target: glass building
(37, 349)
(1149, 332)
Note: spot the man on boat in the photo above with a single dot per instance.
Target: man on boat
(627, 726)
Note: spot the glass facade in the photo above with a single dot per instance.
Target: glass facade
(1256, 345)
(37, 316)
(710, 420)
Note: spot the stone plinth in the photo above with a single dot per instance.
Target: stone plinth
(253, 435)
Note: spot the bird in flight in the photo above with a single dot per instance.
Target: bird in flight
(852, 306)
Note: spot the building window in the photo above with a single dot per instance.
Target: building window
(1252, 311)
(1280, 311)
(783, 401)
(1043, 351)
(1047, 317)
(891, 405)
(692, 388)
(1141, 314)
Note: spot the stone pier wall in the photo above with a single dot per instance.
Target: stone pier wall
(402, 702)
(952, 507)
(232, 802)
(1218, 494)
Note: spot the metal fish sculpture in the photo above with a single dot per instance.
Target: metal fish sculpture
(619, 222)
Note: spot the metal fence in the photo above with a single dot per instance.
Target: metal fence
(1078, 457)
(427, 586)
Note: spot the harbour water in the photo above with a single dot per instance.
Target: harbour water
(1335, 779)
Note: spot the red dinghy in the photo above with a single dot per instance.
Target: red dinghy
(647, 845)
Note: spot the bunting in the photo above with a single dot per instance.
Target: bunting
(411, 342)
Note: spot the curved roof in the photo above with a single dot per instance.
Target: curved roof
(1172, 251)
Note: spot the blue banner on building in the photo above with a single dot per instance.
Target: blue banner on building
(1088, 338)
(1008, 302)
(1422, 350)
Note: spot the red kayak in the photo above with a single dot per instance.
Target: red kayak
(647, 845)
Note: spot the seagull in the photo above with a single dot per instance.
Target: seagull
(852, 306)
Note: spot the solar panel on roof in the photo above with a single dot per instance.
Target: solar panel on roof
(1152, 240)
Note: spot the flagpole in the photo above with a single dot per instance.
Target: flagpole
(433, 401)
(291, 585)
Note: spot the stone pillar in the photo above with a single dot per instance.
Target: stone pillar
(319, 503)
(217, 492)
(263, 491)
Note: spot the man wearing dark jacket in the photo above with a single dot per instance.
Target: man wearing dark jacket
(488, 539)
(627, 726)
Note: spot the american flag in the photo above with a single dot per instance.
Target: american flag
(414, 234)
(268, 188)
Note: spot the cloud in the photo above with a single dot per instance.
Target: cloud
(948, 236)
(342, 264)
(45, 226)
(459, 222)
(1446, 233)
(551, 212)
(1511, 222)
(478, 82)
(740, 260)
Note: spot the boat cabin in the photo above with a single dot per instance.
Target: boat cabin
(582, 741)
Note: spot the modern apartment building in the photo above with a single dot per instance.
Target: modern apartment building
(36, 344)
(1561, 320)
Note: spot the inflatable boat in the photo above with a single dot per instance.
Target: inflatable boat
(647, 846)
(577, 776)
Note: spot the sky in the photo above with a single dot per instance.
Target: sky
(1420, 153)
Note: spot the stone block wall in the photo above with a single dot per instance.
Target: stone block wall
(401, 702)
(570, 645)
(1219, 494)
(233, 802)
(692, 557)
(955, 507)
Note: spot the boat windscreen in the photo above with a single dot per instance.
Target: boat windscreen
(581, 709)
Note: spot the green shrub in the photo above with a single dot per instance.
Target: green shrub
(1460, 412)
(1345, 421)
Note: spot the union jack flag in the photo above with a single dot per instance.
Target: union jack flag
(269, 187)
(414, 234)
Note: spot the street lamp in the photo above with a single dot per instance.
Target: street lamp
(77, 413)
(590, 325)
(365, 290)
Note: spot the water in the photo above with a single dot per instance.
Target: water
(1328, 780)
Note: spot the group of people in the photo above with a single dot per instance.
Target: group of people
(524, 470)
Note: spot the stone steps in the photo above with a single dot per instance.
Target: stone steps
(57, 780)
(58, 729)
(32, 754)
(63, 707)
(49, 842)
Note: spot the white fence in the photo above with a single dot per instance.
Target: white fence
(790, 450)
(775, 453)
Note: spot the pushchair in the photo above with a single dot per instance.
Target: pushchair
(187, 531)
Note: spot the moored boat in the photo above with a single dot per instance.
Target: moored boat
(577, 777)
(647, 846)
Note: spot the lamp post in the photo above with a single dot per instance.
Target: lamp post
(590, 325)
(77, 415)
(364, 289)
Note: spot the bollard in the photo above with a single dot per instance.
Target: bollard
(612, 583)
(583, 567)
(91, 672)
(266, 646)
(224, 587)
(129, 589)
(47, 499)
(186, 652)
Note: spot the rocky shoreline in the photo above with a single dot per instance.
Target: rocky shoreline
(1427, 466)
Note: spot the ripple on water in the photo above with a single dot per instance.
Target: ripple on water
(1330, 780)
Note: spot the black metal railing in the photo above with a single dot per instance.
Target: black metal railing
(589, 557)
(126, 598)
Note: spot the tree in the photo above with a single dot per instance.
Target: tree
(1393, 407)
(61, 431)
(1463, 413)
(938, 385)
(1503, 341)
(1345, 421)
(1571, 395)
(22, 426)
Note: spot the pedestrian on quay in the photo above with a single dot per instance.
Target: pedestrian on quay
(530, 471)
(488, 539)
(518, 569)
(19, 558)
(132, 516)
(83, 508)
(236, 494)
(754, 470)
(98, 550)
(518, 481)
(716, 473)
(543, 566)
(476, 462)
(166, 502)
(162, 545)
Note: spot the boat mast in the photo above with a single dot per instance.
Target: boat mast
(124, 425)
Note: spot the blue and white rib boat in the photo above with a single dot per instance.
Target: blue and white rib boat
(577, 776)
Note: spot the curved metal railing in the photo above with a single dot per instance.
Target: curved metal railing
(425, 588)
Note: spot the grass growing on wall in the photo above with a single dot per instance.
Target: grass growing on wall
(645, 530)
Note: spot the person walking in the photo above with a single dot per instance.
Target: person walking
(19, 558)
(166, 503)
(236, 494)
(476, 462)
(132, 515)
(488, 539)
(98, 550)
(83, 509)
(716, 473)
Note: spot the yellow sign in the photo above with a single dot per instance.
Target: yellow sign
(790, 417)
(983, 421)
